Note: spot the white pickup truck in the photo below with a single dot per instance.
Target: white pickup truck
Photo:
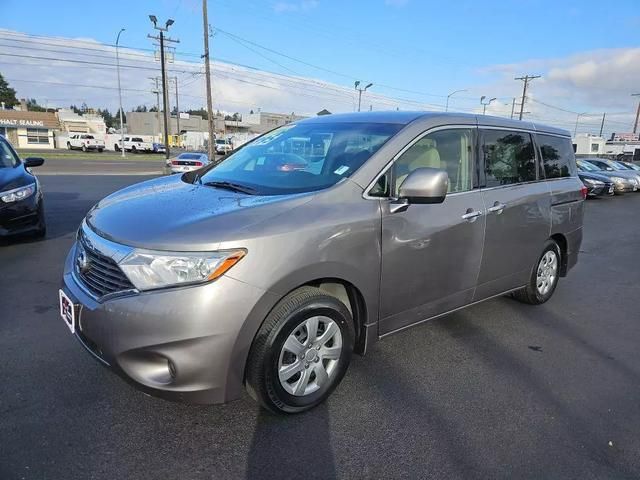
(84, 142)
(134, 145)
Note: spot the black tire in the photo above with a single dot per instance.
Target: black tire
(41, 229)
(262, 380)
(84, 148)
(68, 145)
(134, 150)
(531, 294)
(100, 150)
(116, 147)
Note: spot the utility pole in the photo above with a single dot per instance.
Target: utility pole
(156, 90)
(165, 97)
(175, 79)
(635, 125)
(207, 70)
(360, 90)
(513, 107)
(120, 92)
(602, 124)
(526, 79)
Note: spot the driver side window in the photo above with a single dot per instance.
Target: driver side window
(448, 150)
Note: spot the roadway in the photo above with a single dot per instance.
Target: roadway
(500, 390)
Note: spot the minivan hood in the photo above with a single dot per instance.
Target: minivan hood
(170, 214)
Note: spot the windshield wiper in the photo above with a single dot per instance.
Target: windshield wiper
(232, 186)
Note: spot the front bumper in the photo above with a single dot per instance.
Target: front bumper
(184, 344)
(21, 217)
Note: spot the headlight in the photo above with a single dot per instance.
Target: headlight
(594, 183)
(148, 269)
(18, 193)
(618, 179)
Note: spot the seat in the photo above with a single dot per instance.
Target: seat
(419, 157)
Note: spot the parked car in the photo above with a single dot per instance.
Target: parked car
(84, 142)
(244, 273)
(21, 199)
(622, 184)
(223, 146)
(597, 184)
(134, 145)
(159, 148)
(630, 165)
(187, 162)
(616, 169)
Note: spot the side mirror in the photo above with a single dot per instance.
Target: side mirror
(33, 162)
(425, 185)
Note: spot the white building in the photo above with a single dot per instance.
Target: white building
(587, 144)
(28, 129)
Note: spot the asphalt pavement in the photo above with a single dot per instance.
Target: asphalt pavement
(500, 390)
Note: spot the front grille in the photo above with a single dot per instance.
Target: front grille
(99, 273)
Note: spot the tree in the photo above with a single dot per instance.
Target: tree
(152, 109)
(109, 120)
(200, 112)
(141, 108)
(7, 94)
(33, 106)
(117, 118)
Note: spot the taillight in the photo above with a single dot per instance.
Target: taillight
(173, 162)
(198, 164)
(584, 192)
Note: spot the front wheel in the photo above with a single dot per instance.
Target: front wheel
(84, 148)
(544, 277)
(301, 352)
(68, 146)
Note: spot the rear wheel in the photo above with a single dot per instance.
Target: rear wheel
(84, 148)
(116, 147)
(544, 277)
(301, 352)
(133, 150)
(68, 145)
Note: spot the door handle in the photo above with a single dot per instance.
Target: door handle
(471, 216)
(497, 208)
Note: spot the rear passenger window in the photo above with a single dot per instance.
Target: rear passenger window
(557, 156)
(509, 158)
(449, 150)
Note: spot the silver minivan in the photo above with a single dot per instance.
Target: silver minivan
(313, 241)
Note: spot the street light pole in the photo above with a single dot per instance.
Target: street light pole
(360, 90)
(484, 104)
(120, 92)
(575, 130)
(165, 95)
(446, 108)
(635, 125)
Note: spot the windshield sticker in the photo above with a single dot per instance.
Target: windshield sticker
(270, 137)
(341, 170)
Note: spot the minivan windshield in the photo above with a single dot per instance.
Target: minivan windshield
(299, 158)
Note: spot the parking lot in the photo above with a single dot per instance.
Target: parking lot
(499, 390)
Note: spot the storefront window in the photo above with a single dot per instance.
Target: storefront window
(37, 135)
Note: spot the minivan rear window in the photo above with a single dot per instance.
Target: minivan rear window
(557, 156)
(509, 157)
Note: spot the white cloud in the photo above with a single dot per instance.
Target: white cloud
(300, 6)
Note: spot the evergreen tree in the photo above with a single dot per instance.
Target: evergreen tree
(7, 94)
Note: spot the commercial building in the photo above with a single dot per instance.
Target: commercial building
(152, 123)
(72, 122)
(261, 122)
(28, 129)
(587, 144)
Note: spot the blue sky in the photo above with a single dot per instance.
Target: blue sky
(428, 47)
